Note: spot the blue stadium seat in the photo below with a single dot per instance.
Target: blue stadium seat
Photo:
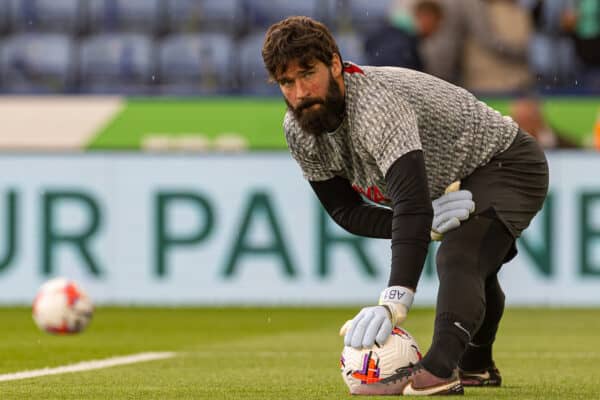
(262, 13)
(37, 63)
(252, 74)
(196, 64)
(352, 47)
(204, 15)
(368, 14)
(332, 11)
(145, 16)
(117, 63)
(47, 15)
(4, 15)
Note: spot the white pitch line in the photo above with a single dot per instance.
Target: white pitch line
(87, 365)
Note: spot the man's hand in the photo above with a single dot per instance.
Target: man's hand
(374, 324)
(371, 325)
(449, 209)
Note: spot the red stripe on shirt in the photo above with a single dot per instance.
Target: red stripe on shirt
(353, 69)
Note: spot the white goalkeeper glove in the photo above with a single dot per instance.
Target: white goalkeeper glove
(374, 324)
(449, 209)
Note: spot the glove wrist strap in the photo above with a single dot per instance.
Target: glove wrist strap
(397, 295)
(397, 300)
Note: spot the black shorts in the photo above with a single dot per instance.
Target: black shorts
(513, 184)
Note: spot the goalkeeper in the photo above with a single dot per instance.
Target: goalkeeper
(399, 138)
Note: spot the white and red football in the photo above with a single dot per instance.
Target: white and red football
(62, 307)
(368, 366)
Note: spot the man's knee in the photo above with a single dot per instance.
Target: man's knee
(461, 291)
(464, 262)
(479, 246)
(452, 257)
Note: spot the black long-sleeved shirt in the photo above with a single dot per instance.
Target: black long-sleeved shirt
(407, 223)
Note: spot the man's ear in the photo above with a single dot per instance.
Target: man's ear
(336, 65)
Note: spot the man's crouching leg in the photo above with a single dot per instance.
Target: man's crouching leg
(477, 367)
(466, 258)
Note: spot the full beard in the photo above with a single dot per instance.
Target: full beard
(325, 118)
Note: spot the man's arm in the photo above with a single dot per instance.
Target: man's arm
(411, 221)
(408, 224)
(349, 211)
(412, 216)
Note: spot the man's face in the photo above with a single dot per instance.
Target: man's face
(313, 95)
(427, 23)
(528, 115)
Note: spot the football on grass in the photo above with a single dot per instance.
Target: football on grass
(368, 366)
(62, 307)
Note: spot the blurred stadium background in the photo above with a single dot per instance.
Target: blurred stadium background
(142, 155)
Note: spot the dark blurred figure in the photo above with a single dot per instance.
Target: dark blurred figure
(444, 52)
(486, 70)
(583, 21)
(397, 42)
(527, 112)
(552, 51)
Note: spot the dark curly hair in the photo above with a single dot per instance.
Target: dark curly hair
(297, 38)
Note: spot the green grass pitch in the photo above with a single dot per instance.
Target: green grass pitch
(277, 353)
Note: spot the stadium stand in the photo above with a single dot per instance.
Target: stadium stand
(232, 64)
(4, 15)
(63, 16)
(202, 16)
(262, 13)
(352, 46)
(37, 63)
(126, 16)
(121, 63)
(196, 63)
(252, 74)
(366, 14)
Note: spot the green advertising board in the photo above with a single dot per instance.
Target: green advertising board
(259, 120)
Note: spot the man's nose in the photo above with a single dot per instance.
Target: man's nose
(302, 90)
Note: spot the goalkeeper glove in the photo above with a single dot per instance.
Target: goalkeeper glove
(448, 210)
(374, 324)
